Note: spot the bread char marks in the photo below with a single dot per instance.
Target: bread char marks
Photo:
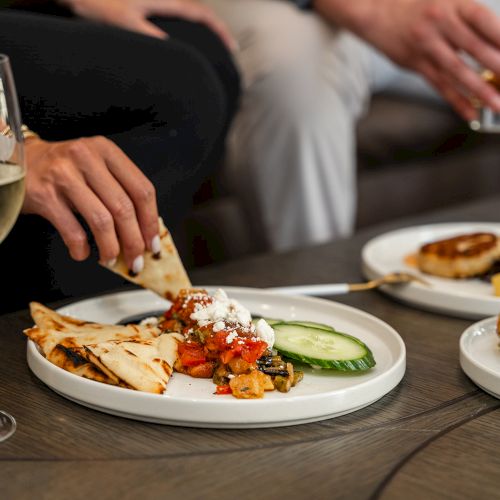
(162, 273)
(62, 339)
(145, 365)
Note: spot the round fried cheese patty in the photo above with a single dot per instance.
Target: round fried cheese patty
(462, 256)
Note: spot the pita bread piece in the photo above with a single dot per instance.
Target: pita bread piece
(47, 340)
(145, 365)
(71, 361)
(59, 338)
(165, 275)
(48, 319)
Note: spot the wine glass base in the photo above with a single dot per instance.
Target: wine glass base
(7, 426)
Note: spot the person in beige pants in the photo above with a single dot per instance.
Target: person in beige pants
(308, 75)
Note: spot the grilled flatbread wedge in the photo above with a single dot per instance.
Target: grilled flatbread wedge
(59, 338)
(48, 319)
(164, 275)
(70, 360)
(462, 256)
(145, 365)
(53, 329)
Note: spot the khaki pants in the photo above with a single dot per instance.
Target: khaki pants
(291, 154)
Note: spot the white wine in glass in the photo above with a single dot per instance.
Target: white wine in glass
(12, 173)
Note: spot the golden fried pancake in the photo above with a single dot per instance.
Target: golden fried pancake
(462, 256)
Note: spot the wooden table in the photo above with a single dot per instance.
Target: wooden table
(435, 436)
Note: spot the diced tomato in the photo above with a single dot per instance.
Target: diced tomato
(191, 354)
(182, 308)
(251, 352)
(203, 370)
(171, 325)
(227, 356)
(219, 341)
(223, 389)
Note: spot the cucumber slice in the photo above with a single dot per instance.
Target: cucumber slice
(312, 324)
(322, 348)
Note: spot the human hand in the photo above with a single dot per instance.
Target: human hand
(430, 37)
(133, 15)
(93, 177)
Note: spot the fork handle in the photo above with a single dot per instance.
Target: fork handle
(316, 290)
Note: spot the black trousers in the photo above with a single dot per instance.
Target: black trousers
(167, 104)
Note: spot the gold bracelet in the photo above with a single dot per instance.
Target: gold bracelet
(25, 131)
(28, 133)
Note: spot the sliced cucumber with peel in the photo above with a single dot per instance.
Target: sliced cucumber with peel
(269, 321)
(322, 348)
(312, 324)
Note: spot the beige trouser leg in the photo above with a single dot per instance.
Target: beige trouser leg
(291, 148)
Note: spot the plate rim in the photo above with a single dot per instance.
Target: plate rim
(475, 307)
(470, 331)
(395, 371)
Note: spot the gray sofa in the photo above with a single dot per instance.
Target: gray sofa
(413, 156)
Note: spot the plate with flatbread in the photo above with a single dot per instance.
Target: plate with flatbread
(135, 360)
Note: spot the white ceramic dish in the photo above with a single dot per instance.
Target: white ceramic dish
(191, 402)
(471, 298)
(480, 355)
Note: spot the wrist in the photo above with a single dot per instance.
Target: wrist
(26, 132)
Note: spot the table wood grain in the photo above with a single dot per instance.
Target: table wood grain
(435, 436)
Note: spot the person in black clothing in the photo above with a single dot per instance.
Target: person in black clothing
(130, 119)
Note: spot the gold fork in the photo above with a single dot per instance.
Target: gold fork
(341, 288)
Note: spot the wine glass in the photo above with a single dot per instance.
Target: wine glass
(12, 172)
(487, 119)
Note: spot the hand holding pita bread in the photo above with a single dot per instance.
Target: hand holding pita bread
(94, 178)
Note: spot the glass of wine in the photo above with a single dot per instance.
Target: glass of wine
(12, 172)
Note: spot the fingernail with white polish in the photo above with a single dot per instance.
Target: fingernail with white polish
(111, 263)
(137, 266)
(156, 246)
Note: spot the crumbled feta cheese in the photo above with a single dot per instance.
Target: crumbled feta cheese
(231, 336)
(151, 321)
(221, 309)
(218, 326)
(265, 332)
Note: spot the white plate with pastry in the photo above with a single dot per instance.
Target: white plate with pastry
(471, 298)
(187, 401)
(480, 355)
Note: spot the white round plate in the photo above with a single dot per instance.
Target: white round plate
(191, 402)
(466, 298)
(480, 355)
